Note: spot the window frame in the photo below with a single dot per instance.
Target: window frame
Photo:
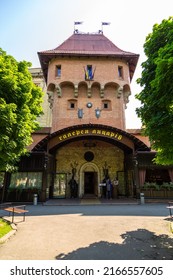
(26, 180)
(58, 71)
(70, 102)
(108, 103)
(120, 72)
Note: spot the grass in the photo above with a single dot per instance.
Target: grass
(4, 227)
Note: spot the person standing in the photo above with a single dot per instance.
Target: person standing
(73, 187)
(109, 188)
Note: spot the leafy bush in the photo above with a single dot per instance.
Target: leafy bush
(4, 227)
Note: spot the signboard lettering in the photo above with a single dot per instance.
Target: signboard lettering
(83, 132)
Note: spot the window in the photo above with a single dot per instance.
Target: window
(106, 105)
(26, 180)
(157, 175)
(89, 75)
(120, 71)
(72, 104)
(58, 71)
(60, 183)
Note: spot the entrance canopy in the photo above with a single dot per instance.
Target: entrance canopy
(118, 137)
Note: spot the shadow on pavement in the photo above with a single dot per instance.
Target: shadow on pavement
(136, 245)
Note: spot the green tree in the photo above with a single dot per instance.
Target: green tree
(156, 111)
(20, 105)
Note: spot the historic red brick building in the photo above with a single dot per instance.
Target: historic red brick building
(87, 87)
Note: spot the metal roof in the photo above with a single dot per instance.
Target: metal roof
(87, 45)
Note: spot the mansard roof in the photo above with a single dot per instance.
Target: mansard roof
(80, 44)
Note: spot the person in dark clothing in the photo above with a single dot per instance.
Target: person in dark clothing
(73, 187)
(104, 188)
(109, 188)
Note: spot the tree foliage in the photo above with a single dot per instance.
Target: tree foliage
(20, 105)
(156, 111)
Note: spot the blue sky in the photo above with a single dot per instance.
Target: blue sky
(29, 26)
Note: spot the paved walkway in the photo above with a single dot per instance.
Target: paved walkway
(90, 201)
(91, 232)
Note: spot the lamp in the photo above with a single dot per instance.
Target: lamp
(80, 113)
(135, 161)
(97, 113)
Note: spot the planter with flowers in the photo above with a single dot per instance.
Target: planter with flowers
(153, 190)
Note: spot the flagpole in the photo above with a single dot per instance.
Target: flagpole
(77, 23)
(105, 23)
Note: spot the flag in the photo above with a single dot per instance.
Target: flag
(106, 23)
(78, 22)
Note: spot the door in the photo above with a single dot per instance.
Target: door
(90, 183)
(60, 182)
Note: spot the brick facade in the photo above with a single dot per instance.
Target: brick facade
(84, 74)
(86, 85)
(106, 86)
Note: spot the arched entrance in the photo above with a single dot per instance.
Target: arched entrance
(89, 180)
(109, 145)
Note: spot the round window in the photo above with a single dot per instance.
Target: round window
(89, 156)
(89, 104)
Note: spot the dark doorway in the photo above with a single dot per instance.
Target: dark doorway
(90, 183)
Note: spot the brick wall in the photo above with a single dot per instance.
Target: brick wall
(105, 86)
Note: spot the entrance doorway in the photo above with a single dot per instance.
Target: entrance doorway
(90, 183)
(89, 180)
